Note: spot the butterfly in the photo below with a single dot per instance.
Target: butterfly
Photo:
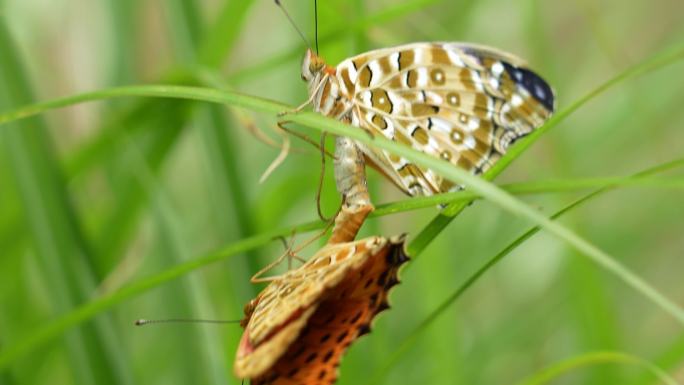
(463, 103)
(298, 327)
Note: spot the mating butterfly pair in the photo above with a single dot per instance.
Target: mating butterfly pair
(463, 103)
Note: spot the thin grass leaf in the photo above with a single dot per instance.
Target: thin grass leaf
(597, 358)
(60, 248)
(118, 225)
(123, 33)
(506, 202)
(260, 104)
(218, 42)
(99, 305)
(449, 213)
(414, 335)
(531, 187)
(89, 310)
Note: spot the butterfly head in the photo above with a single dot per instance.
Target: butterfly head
(313, 66)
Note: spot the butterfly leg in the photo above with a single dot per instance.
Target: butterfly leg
(302, 106)
(350, 177)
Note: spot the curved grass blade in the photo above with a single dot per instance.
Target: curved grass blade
(453, 297)
(448, 214)
(506, 202)
(60, 249)
(532, 187)
(322, 123)
(480, 186)
(99, 305)
(107, 301)
(596, 358)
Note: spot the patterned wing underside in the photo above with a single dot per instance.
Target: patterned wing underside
(462, 103)
(285, 305)
(344, 314)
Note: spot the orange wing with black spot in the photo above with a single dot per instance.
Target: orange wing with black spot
(287, 306)
(344, 313)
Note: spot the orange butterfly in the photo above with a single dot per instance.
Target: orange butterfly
(298, 327)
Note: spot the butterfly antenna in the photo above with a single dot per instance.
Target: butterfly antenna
(299, 31)
(316, 24)
(143, 322)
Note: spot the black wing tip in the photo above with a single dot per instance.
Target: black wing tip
(533, 83)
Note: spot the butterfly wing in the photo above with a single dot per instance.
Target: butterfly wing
(462, 103)
(285, 305)
(344, 314)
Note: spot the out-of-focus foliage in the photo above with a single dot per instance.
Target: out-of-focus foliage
(96, 196)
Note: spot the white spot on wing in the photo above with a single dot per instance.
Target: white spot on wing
(366, 97)
(516, 100)
(494, 83)
(441, 125)
(473, 124)
(477, 80)
(435, 98)
(377, 72)
(394, 99)
(432, 143)
(389, 131)
(419, 55)
(454, 57)
(350, 67)
(469, 142)
(497, 69)
(490, 107)
(394, 60)
(355, 120)
(422, 80)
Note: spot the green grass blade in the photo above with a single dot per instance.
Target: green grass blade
(124, 32)
(506, 202)
(220, 39)
(414, 335)
(119, 224)
(310, 119)
(448, 214)
(596, 358)
(531, 187)
(89, 310)
(96, 306)
(60, 248)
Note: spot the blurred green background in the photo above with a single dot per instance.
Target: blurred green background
(100, 195)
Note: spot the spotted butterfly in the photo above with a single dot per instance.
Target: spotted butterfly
(463, 103)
